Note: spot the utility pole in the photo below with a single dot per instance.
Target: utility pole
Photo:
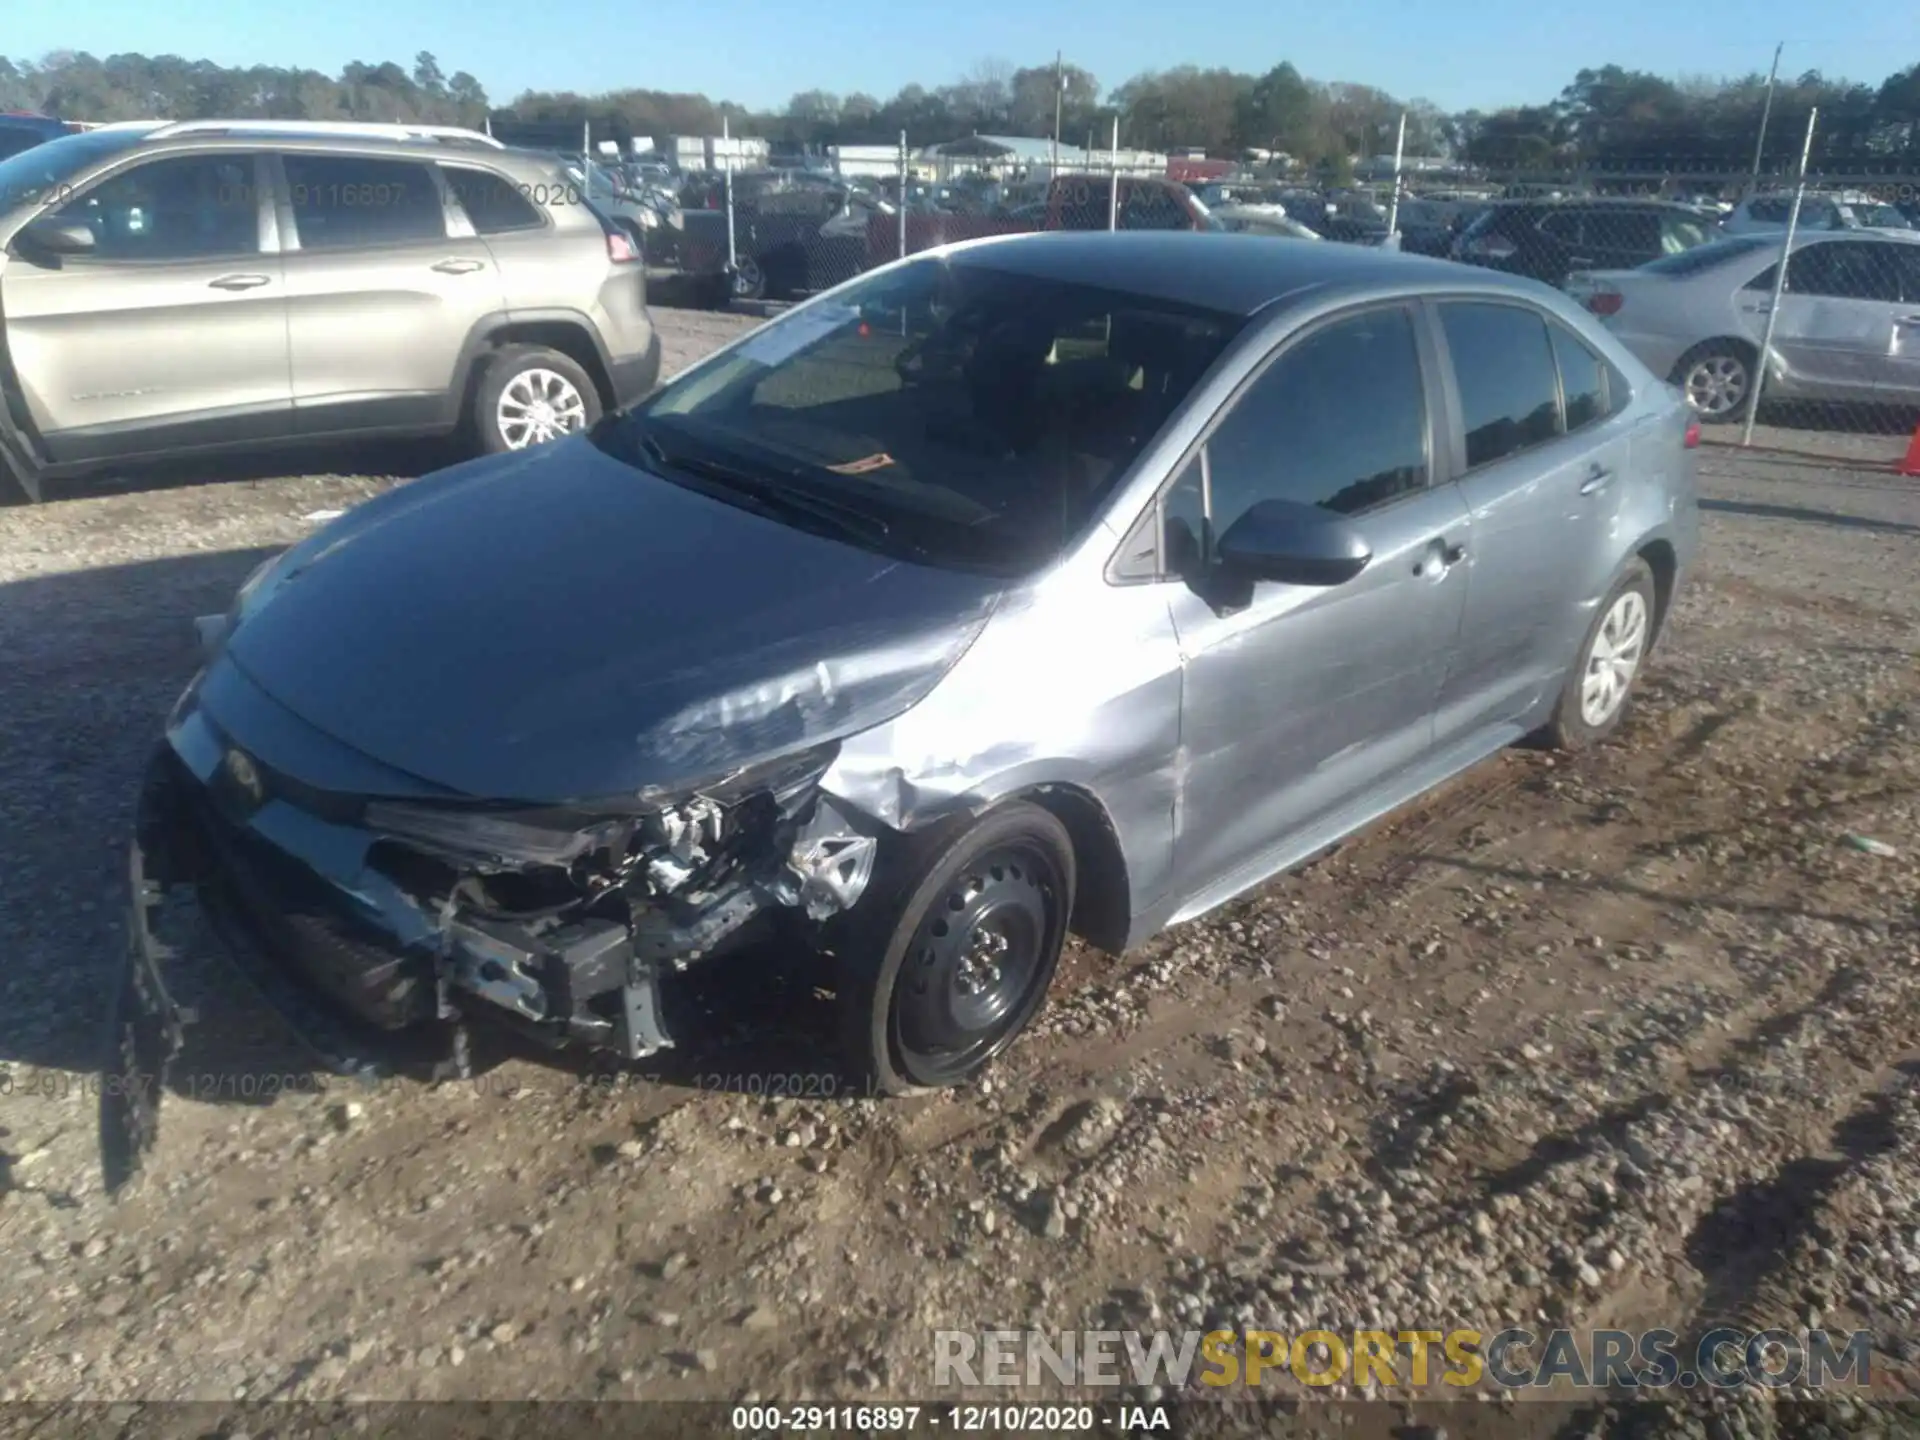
(1766, 111)
(1059, 94)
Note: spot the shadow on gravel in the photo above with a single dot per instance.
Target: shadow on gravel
(1812, 517)
(93, 660)
(1749, 1238)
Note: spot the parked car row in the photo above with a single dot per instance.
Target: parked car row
(1846, 327)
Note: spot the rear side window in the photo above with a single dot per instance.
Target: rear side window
(350, 202)
(1843, 271)
(1583, 379)
(1503, 366)
(493, 203)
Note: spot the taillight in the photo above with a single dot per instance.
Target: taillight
(1692, 439)
(620, 248)
(1606, 302)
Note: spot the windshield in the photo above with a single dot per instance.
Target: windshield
(980, 417)
(1705, 257)
(40, 175)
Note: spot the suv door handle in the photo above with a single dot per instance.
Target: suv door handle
(1598, 478)
(460, 267)
(239, 282)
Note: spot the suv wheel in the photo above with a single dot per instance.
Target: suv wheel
(1610, 660)
(952, 961)
(749, 280)
(529, 395)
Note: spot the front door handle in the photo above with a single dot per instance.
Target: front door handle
(239, 282)
(1438, 559)
(1598, 478)
(460, 267)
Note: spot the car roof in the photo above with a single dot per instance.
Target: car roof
(1234, 274)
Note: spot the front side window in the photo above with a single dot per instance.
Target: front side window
(1339, 420)
(966, 414)
(350, 202)
(1503, 367)
(186, 208)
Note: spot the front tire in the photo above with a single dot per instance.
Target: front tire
(529, 395)
(1611, 658)
(955, 958)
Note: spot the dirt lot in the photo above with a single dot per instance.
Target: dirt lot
(1629, 1041)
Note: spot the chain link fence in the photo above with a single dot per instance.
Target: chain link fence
(1681, 261)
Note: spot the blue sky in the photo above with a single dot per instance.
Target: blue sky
(1457, 53)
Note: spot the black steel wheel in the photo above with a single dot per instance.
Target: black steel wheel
(944, 977)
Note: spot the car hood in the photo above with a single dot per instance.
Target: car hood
(558, 625)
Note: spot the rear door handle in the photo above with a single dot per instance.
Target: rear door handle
(460, 267)
(1598, 478)
(239, 282)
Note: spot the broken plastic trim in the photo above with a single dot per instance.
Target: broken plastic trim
(548, 837)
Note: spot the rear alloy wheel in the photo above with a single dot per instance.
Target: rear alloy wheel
(1716, 380)
(1611, 658)
(941, 981)
(530, 395)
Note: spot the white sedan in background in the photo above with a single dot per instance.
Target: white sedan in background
(1848, 328)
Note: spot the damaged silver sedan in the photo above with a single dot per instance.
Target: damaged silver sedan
(1057, 582)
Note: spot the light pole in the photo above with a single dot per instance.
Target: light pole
(1766, 111)
(1059, 94)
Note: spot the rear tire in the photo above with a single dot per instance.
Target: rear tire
(1599, 688)
(529, 395)
(1717, 377)
(956, 953)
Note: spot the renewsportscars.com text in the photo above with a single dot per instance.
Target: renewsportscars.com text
(1511, 1359)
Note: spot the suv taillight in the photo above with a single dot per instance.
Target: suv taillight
(1692, 440)
(1606, 302)
(620, 247)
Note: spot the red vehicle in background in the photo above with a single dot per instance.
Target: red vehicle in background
(1198, 172)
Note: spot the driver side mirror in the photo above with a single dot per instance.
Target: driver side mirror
(1285, 543)
(58, 237)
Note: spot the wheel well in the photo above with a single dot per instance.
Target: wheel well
(1102, 910)
(1666, 567)
(570, 340)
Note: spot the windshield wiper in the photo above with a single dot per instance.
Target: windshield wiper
(793, 496)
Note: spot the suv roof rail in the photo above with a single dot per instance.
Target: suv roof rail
(320, 129)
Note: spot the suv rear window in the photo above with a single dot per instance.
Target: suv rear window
(493, 203)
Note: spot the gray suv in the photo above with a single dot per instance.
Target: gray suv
(171, 289)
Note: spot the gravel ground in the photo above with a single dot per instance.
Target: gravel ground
(1626, 1040)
